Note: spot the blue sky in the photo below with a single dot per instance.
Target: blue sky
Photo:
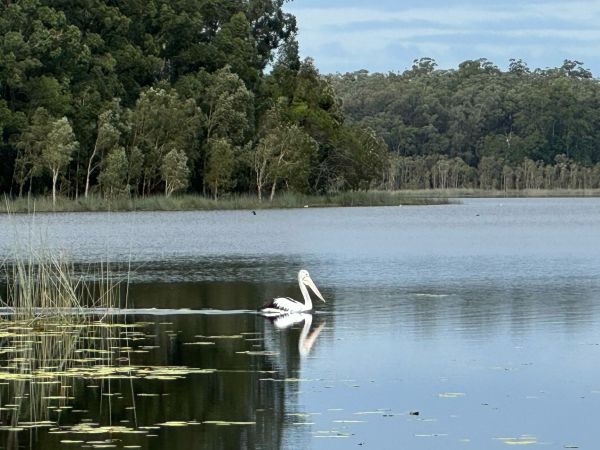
(385, 35)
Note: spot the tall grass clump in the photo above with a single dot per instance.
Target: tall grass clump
(43, 285)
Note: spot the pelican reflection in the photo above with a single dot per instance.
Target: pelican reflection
(308, 336)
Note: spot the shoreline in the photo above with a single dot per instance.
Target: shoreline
(460, 193)
(191, 202)
(194, 202)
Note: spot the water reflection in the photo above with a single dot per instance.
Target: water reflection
(224, 381)
(307, 337)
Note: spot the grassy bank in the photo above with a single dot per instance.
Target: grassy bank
(198, 202)
(484, 193)
(190, 202)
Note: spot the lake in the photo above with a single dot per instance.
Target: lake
(466, 326)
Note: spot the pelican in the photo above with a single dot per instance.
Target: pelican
(286, 305)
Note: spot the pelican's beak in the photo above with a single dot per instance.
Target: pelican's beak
(310, 283)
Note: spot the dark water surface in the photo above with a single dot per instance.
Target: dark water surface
(482, 317)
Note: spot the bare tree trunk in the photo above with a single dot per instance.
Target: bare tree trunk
(89, 171)
(273, 190)
(54, 180)
(77, 177)
(259, 182)
(21, 185)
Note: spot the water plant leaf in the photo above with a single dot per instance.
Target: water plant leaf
(227, 422)
(451, 394)
(521, 440)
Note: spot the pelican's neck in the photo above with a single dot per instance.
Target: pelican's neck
(305, 294)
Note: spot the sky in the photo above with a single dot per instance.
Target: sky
(386, 35)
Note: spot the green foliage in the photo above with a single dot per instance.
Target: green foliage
(271, 27)
(360, 157)
(493, 121)
(30, 145)
(219, 170)
(228, 106)
(283, 154)
(237, 48)
(113, 177)
(479, 111)
(136, 80)
(161, 121)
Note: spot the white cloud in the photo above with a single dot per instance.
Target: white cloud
(542, 32)
(578, 11)
(574, 34)
(318, 18)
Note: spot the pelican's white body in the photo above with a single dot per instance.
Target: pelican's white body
(286, 305)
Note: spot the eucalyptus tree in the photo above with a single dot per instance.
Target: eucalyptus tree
(271, 27)
(107, 138)
(490, 172)
(175, 171)
(113, 176)
(160, 121)
(237, 49)
(58, 148)
(30, 148)
(221, 161)
(283, 154)
(360, 157)
(227, 107)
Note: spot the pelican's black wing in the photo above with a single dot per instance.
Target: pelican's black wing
(273, 303)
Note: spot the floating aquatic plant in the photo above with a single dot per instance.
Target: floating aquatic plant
(521, 440)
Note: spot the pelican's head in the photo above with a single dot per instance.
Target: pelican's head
(305, 279)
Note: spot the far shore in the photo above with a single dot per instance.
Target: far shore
(195, 202)
(493, 193)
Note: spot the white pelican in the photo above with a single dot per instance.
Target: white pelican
(286, 305)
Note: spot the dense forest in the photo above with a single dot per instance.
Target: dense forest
(479, 126)
(158, 96)
(136, 98)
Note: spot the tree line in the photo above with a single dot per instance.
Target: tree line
(137, 98)
(492, 173)
(478, 126)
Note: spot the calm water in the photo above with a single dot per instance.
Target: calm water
(482, 317)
